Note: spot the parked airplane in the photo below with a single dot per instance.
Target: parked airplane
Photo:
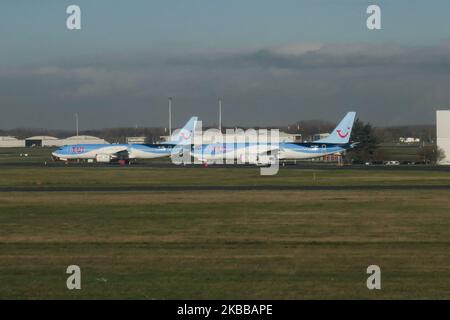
(337, 142)
(266, 153)
(97, 152)
(112, 152)
(179, 138)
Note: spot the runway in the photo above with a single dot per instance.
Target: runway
(289, 166)
(225, 188)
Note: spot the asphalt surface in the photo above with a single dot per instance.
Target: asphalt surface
(290, 166)
(224, 188)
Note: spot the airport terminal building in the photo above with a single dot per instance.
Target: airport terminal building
(443, 134)
(47, 141)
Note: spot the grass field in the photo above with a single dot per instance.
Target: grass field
(234, 244)
(25, 155)
(178, 176)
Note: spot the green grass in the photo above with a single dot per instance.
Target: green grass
(224, 245)
(36, 155)
(400, 152)
(178, 176)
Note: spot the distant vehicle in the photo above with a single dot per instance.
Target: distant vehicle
(392, 163)
(115, 152)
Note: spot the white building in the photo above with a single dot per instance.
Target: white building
(46, 141)
(319, 136)
(136, 140)
(42, 141)
(409, 140)
(11, 142)
(443, 133)
(83, 140)
(213, 136)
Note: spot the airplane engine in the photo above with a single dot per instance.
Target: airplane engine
(265, 160)
(251, 159)
(103, 158)
(259, 160)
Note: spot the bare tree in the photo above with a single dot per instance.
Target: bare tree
(431, 153)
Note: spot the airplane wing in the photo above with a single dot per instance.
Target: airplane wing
(112, 152)
(262, 155)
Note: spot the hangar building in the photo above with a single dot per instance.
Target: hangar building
(83, 140)
(46, 141)
(443, 133)
(211, 137)
(11, 142)
(42, 141)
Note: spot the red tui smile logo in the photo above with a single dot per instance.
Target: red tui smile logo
(185, 134)
(343, 135)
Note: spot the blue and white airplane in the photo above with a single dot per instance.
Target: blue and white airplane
(266, 153)
(112, 152)
(179, 139)
(337, 142)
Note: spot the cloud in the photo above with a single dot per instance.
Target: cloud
(386, 84)
(296, 49)
(313, 55)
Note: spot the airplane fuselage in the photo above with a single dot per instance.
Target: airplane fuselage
(309, 150)
(148, 151)
(87, 151)
(229, 151)
(114, 151)
(242, 151)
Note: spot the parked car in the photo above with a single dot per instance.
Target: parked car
(392, 163)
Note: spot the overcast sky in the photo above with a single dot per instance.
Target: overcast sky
(272, 62)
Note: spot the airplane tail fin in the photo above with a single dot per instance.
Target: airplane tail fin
(341, 134)
(185, 135)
